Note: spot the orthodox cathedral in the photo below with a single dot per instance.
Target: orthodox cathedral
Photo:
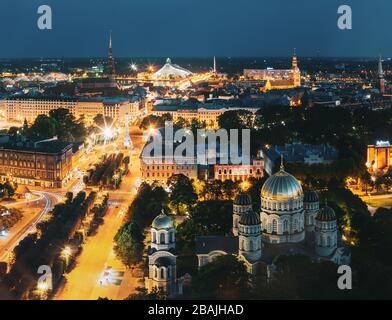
(290, 222)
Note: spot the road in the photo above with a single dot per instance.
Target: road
(38, 208)
(84, 282)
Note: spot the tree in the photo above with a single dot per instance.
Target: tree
(67, 127)
(236, 119)
(129, 243)
(297, 277)
(154, 121)
(213, 189)
(101, 121)
(223, 278)
(44, 127)
(182, 192)
(230, 188)
(143, 294)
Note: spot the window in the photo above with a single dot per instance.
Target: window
(250, 245)
(162, 273)
(285, 226)
(274, 226)
(162, 238)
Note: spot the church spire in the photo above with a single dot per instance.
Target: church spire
(214, 65)
(380, 69)
(110, 66)
(380, 75)
(294, 62)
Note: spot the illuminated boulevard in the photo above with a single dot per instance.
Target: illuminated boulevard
(86, 280)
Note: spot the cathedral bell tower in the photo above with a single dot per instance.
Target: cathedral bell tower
(296, 71)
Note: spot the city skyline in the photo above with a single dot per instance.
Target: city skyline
(263, 29)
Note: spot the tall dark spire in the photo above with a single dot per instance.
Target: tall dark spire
(110, 67)
(380, 75)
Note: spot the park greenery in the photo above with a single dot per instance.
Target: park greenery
(154, 121)
(148, 203)
(7, 190)
(60, 122)
(129, 243)
(9, 217)
(108, 172)
(224, 278)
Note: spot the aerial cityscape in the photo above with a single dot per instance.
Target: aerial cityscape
(177, 177)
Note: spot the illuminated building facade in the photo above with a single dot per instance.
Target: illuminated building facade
(277, 78)
(239, 172)
(20, 108)
(208, 113)
(379, 156)
(46, 164)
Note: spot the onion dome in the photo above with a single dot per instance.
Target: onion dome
(281, 186)
(310, 196)
(163, 262)
(162, 221)
(249, 218)
(243, 199)
(326, 214)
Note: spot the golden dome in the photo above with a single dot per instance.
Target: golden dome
(281, 186)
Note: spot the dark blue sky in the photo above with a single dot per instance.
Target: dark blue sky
(192, 28)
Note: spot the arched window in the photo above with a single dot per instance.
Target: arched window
(162, 273)
(162, 238)
(251, 245)
(274, 226)
(153, 236)
(285, 226)
(156, 274)
(295, 224)
(172, 236)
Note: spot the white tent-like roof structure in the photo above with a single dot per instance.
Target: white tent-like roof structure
(170, 70)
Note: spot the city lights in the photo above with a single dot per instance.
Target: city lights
(185, 153)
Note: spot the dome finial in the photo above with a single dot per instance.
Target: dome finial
(281, 163)
(162, 212)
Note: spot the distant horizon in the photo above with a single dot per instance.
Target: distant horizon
(375, 57)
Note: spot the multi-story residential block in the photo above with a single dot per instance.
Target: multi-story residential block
(20, 108)
(45, 164)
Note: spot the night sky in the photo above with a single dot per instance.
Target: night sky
(195, 28)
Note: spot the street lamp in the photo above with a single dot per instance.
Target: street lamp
(66, 254)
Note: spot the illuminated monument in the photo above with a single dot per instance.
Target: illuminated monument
(127, 137)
